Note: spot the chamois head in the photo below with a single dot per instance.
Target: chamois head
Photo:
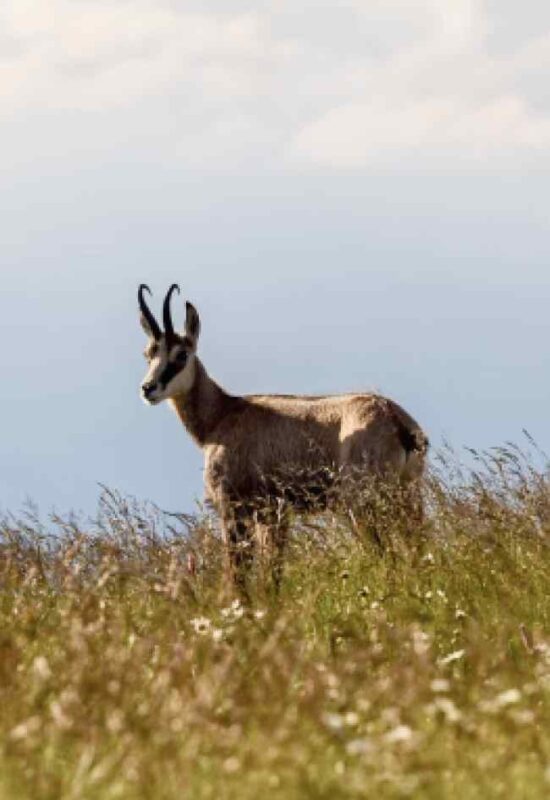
(170, 355)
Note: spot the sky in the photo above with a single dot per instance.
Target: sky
(354, 195)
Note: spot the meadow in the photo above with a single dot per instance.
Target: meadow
(398, 665)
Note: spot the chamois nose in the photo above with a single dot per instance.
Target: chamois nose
(148, 388)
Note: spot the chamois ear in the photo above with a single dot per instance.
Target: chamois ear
(192, 322)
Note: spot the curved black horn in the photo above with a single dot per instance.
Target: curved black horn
(144, 308)
(166, 315)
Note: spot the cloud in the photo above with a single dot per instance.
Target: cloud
(94, 55)
(378, 132)
(352, 85)
(443, 99)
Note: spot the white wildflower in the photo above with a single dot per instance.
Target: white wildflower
(508, 698)
(25, 729)
(61, 719)
(446, 707)
(359, 747)
(420, 641)
(332, 680)
(399, 735)
(41, 668)
(440, 685)
(502, 700)
(452, 657)
(335, 722)
(201, 625)
(363, 704)
(115, 721)
(231, 765)
(391, 716)
(237, 609)
(523, 716)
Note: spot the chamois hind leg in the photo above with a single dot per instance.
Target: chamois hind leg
(413, 491)
(391, 508)
(413, 505)
(375, 503)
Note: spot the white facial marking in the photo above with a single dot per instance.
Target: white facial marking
(180, 373)
(183, 381)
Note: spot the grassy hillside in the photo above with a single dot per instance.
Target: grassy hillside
(417, 669)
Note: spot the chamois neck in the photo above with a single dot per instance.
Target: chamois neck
(203, 407)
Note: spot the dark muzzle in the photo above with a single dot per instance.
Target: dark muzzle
(148, 388)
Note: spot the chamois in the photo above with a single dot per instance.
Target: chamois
(265, 455)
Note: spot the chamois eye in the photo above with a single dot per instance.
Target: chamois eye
(181, 356)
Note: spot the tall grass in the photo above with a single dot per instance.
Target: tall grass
(412, 666)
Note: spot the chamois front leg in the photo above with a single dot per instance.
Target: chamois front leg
(280, 538)
(238, 538)
(271, 539)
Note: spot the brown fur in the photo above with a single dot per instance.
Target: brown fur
(265, 454)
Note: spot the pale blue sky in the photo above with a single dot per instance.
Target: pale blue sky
(351, 201)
